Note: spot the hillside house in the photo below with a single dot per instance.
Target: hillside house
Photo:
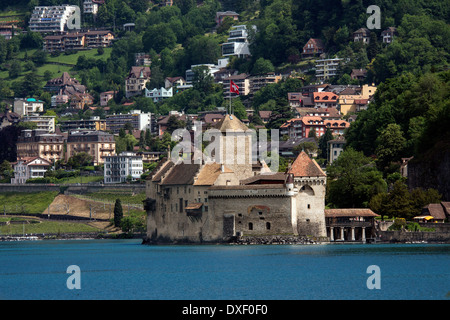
(136, 80)
(314, 47)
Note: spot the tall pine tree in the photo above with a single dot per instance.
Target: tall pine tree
(118, 213)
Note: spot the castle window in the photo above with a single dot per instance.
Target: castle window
(268, 225)
(250, 226)
(309, 206)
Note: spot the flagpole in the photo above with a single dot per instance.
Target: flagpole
(230, 98)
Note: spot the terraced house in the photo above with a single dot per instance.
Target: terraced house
(78, 40)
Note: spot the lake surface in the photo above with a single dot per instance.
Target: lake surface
(125, 269)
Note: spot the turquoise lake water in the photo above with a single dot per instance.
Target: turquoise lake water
(127, 270)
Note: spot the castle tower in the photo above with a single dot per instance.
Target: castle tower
(235, 146)
(310, 181)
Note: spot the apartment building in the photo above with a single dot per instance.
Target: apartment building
(237, 43)
(25, 107)
(327, 68)
(92, 6)
(97, 144)
(38, 143)
(260, 81)
(44, 123)
(54, 43)
(190, 73)
(123, 167)
(78, 40)
(241, 80)
(138, 119)
(51, 19)
(92, 124)
(98, 38)
(74, 41)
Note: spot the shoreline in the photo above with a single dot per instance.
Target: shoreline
(245, 240)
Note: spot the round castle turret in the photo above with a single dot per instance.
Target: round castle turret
(290, 191)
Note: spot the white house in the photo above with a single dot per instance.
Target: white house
(25, 107)
(48, 19)
(159, 94)
(138, 119)
(30, 167)
(119, 168)
(45, 123)
(237, 44)
(91, 6)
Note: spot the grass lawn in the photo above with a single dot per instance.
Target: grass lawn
(125, 198)
(35, 202)
(73, 58)
(56, 69)
(80, 179)
(45, 227)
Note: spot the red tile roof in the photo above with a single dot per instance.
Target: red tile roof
(363, 212)
(304, 166)
(325, 97)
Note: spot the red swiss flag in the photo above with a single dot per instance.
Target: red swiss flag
(233, 87)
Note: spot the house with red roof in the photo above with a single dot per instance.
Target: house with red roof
(337, 127)
(325, 99)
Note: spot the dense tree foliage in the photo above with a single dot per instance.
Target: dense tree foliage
(353, 180)
(414, 104)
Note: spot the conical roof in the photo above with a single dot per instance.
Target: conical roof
(304, 166)
(231, 122)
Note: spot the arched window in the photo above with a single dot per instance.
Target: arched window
(307, 190)
(250, 226)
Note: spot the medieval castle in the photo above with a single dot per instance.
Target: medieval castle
(214, 202)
